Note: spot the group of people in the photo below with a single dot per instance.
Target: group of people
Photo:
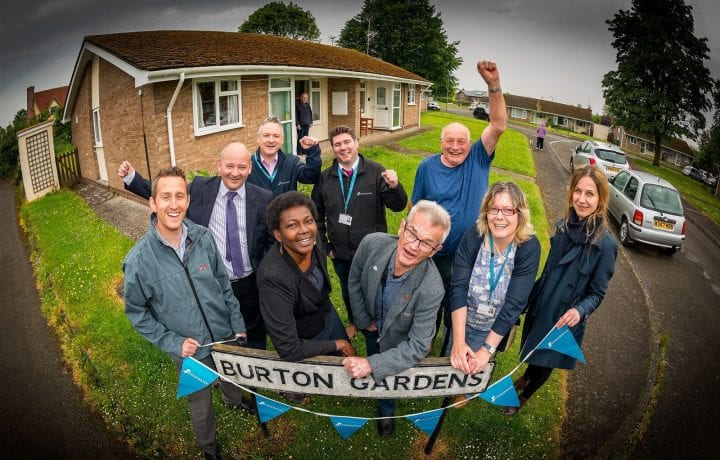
(243, 256)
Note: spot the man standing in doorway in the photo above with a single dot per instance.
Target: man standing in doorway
(303, 118)
(458, 177)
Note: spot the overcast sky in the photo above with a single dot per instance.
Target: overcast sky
(549, 49)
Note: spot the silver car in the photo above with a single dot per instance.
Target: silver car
(609, 158)
(648, 209)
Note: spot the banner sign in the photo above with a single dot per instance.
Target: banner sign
(325, 375)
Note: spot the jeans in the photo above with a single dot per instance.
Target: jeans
(386, 407)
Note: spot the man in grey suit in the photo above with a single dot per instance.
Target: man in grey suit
(395, 292)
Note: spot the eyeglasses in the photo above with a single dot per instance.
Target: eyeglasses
(459, 142)
(411, 237)
(506, 211)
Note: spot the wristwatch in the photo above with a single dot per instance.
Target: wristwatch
(494, 89)
(489, 348)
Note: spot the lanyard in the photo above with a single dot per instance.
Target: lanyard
(346, 198)
(494, 281)
(264, 171)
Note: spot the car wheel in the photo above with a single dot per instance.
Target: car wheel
(670, 251)
(625, 233)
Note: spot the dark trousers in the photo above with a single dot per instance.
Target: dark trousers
(536, 376)
(386, 407)
(246, 293)
(540, 141)
(342, 269)
(302, 132)
(202, 413)
(444, 266)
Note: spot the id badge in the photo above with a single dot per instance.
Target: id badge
(345, 219)
(486, 309)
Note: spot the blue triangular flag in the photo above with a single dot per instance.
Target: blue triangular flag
(426, 421)
(268, 409)
(194, 376)
(562, 341)
(501, 393)
(347, 426)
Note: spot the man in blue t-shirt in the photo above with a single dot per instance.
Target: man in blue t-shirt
(458, 177)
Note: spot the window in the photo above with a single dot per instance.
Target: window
(97, 134)
(631, 189)
(518, 113)
(315, 99)
(620, 180)
(216, 105)
(632, 140)
(561, 121)
(411, 94)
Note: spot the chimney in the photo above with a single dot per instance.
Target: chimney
(30, 102)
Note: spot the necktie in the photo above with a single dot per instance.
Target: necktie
(347, 172)
(232, 237)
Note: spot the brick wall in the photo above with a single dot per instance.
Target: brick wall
(81, 125)
(411, 113)
(352, 119)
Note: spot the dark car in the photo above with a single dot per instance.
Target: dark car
(481, 114)
(698, 174)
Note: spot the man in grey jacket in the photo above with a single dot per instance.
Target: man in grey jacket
(178, 295)
(395, 292)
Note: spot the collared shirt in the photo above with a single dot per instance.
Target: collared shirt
(217, 227)
(269, 165)
(180, 251)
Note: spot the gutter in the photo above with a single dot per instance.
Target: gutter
(168, 116)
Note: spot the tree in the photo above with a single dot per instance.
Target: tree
(661, 85)
(277, 18)
(409, 34)
(708, 157)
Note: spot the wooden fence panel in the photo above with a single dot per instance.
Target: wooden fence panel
(68, 168)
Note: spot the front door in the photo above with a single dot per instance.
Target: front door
(282, 108)
(382, 107)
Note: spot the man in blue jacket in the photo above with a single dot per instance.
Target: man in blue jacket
(278, 171)
(178, 295)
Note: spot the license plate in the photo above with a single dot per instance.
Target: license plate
(664, 225)
(612, 169)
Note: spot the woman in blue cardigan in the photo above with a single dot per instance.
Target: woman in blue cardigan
(493, 272)
(574, 281)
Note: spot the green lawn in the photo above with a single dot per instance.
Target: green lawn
(77, 257)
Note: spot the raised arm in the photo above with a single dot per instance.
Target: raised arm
(488, 70)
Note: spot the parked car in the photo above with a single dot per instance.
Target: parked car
(648, 209)
(711, 180)
(432, 105)
(609, 158)
(481, 114)
(698, 174)
(687, 170)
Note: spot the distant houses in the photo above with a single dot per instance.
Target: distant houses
(49, 100)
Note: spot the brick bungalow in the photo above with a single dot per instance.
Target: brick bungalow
(176, 97)
(565, 116)
(674, 150)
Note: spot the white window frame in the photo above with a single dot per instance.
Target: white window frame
(97, 131)
(557, 118)
(411, 94)
(518, 113)
(315, 92)
(363, 97)
(632, 140)
(217, 127)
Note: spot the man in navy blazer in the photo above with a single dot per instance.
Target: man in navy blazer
(207, 208)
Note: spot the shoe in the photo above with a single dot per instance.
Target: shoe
(297, 398)
(244, 405)
(386, 427)
(509, 410)
(212, 456)
(461, 401)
